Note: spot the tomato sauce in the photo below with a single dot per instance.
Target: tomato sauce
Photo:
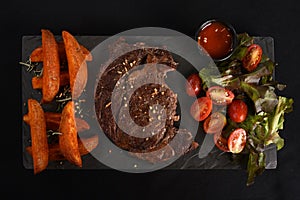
(217, 39)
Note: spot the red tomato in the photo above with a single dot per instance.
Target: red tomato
(238, 110)
(201, 108)
(220, 95)
(214, 123)
(221, 142)
(237, 140)
(193, 85)
(252, 57)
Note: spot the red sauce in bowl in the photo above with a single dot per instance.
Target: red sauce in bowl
(217, 39)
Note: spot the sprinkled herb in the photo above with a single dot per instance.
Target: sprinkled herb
(63, 96)
(32, 66)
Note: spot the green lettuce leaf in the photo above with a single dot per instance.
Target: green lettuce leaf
(266, 118)
(276, 120)
(263, 129)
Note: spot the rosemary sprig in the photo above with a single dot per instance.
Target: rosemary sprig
(63, 97)
(51, 133)
(38, 73)
(53, 136)
(32, 66)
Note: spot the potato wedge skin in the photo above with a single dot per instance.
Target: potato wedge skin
(59, 59)
(76, 64)
(37, 54)
(68, 139)
(39, 141)
(85, 145)
(51, 66)
(37, 82)
(53, 121)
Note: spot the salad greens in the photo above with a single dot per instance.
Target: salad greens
(267, 109)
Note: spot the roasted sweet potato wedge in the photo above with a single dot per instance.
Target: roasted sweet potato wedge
(51, 66)
(53, 120)
(37, 82)
(39, 142)
(68, 139)
(77, 65)
(37, 54)
(85, 145)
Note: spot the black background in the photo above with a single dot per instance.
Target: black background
(278, 19)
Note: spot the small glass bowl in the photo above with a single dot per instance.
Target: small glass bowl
(231, 30)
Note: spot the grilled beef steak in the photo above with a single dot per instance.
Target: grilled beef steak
(178, 146)
(134, 106)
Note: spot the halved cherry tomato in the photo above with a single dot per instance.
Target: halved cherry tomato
(221, 142)
(237, 140)
(201, 108)
(214, 123)
(220, 95)
(193, 85)
(238, 110)
(252, 57)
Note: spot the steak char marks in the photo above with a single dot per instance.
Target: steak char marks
(134, 106)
